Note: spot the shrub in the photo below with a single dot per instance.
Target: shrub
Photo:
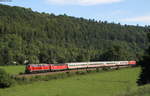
(106, 68)
(5, 79)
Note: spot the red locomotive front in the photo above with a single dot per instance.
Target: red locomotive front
(37, 68)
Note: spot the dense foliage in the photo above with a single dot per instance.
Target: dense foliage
(5, 79)
(27, 36)
(145, 66)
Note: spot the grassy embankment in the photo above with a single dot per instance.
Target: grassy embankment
(96, 84)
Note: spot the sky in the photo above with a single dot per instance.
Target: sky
(131, 12)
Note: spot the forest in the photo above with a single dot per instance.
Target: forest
(28, 36)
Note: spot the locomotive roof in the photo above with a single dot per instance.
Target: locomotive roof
(38, 64)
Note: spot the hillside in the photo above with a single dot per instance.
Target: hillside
(46, 38)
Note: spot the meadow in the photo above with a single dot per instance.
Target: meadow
(13, 70)
(109, 83)
(140, 91)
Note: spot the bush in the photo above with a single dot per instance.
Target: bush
(5, 79)
(106, 68)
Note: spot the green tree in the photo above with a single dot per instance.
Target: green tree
(32, 59)
(115, 53)
(5, 79)
(144, 77)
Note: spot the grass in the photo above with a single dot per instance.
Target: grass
(140, 91)
(95, 84)
(14, 69)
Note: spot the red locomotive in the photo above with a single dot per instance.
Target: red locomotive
(77, 65)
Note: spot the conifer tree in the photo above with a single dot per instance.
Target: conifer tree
(144, 77)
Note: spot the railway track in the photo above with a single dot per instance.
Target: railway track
(55, 72)
(64, 71)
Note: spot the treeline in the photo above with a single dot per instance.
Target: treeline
(32, 37)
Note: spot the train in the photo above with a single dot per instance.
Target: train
(33, 68)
